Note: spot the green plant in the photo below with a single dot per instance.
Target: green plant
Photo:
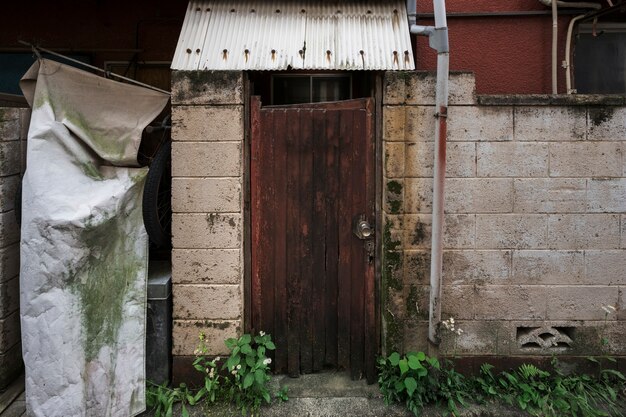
(281, 395)
(161, 399)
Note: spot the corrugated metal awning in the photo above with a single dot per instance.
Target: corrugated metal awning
(307, 34)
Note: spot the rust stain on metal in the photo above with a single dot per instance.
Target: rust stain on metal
(443, 131)
(246, 54)
(225, 54)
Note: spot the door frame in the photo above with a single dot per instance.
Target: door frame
(377, 94)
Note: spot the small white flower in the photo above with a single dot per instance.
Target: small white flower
(234, 372)
(608, 309)
(452, 320)
(212, 373)
(459, 331)
(267, 361)
(261, 333)
(238, 366)
(197, 352)
(217, 359)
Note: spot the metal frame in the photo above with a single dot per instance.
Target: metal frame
(310, 76)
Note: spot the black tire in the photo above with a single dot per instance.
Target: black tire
(157, 196)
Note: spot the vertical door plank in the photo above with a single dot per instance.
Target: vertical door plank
(293, 243)
(256, 181)
(306, 241)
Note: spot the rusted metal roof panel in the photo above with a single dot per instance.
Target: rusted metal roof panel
(307, 34)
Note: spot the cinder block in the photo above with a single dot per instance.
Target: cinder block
(458, 301)
(10, 158)
(206, 231)
(460, 159)
(415, 336)
(512, 159)
(512, 231)
(550, 195)
(210, 159)
(9, 231)
(10, 128)
(606, 195)
(548, 267)
(203, 195)
(541, 124)
(477, 338)
(458, 231)
(206, 266)
(418, 195)
(606, 123)
(185, 335)
(586, 159)
(207, 87)
(464, 267)
(394, 159)
(579, 302)
(474, 123)
(8, 188)
(420, 124)
(606, 267)
(9, 261)
(583, 231)
(510, 302)
(479, 195)
(415, 302)
(621, 307)
(402, 87)
(8, 114)
(207, 123)
(623, 239)
(394, 121)
(9, 331)
(393, 196)
(9, 296)
(417, 267)
(195, 302)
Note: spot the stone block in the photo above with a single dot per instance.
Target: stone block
(9, 296)
(206, 266)
(477, 338)
(417, 267)
(207, 123)
(458, 301)
(416, 302)
(10, 365)
(207, 87)
(586, 159)
(623, 232)
(464, 267)
(510, 302)
(548, 267)
(420, 124)
(512, 159)
(9, 331)
(394, 121)
(621, 307)
(206, 231)
(579, 302)
(460, 159)
(606, 123)
(10, 158)
(25, 115)
(393, 196)
(549, 195)
(606, 195)
(8, 188)
(415, 336)
(210, 159)
(479, 195)
(583, 231)
(475, 124)
(511, 231)
(552, 337)
(185, 335)
(458, 231)
(9, 231)
(195, 302)
(8, 114)
(543, 123)
(9, 262)
(394, 159)
(10, 129)
(402, 87)
(418, 195)
(206, 195)
(606, 267)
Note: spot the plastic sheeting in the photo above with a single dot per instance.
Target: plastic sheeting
(83, 247)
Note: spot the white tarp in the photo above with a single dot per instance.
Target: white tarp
(84, 247)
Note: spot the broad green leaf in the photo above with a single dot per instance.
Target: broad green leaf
(411, 384)
(245, 339)
(246, 349)
(259, 375)
(421, 356)
(394, 358)
(414, 363)
(422, 372)
(404, 366)
(185, 412)
(270, 345)
(266, 397)
(250, 361)
(230, 343)
(261, 351)
(248, 380)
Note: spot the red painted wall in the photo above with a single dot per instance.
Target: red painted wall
(507, 54)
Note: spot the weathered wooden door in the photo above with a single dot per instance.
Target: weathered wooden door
(312, 182)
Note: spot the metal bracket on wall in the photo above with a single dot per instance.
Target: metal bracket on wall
(437, 37)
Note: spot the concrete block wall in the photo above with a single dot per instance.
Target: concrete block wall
(13, 132)
(207, 205)
(535, 241)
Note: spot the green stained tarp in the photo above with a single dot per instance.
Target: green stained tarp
(83, 245)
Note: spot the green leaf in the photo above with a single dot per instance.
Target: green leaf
(261, 351)
(270, 345)
(404, 366)
(266, 397)
(248, 380)
(245, 339)
(246, 349)
(250, 361)
(394, 358)
(185, 412)
(411, 385)
(414, 362)
(259, 375)
(421, 356)
(422, 372)
(230, 343)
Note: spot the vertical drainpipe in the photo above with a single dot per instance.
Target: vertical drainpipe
(438, 40)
